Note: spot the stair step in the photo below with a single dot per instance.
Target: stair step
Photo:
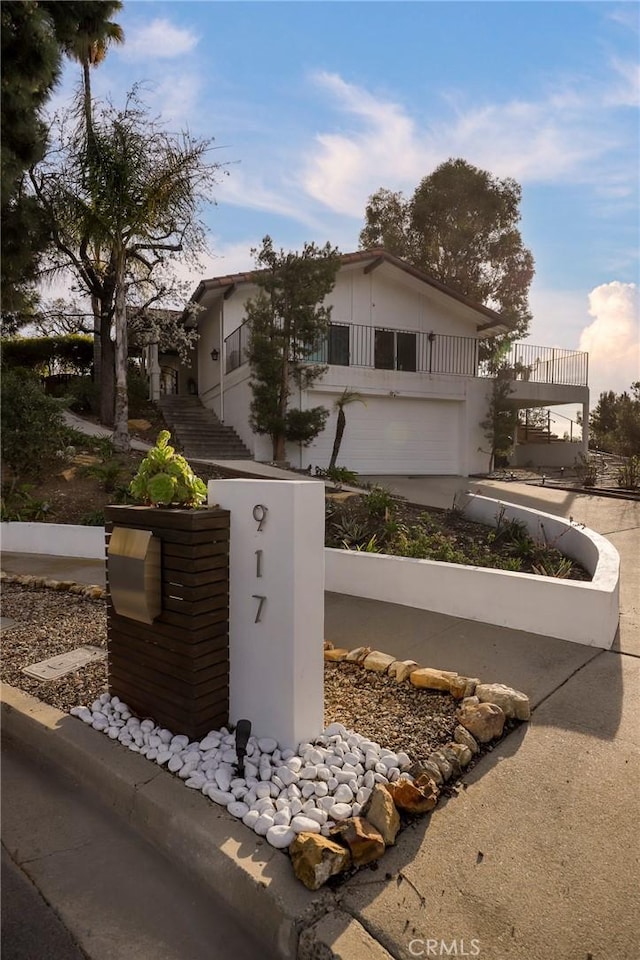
(199, 432)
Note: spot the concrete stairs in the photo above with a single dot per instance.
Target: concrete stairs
(198, 432)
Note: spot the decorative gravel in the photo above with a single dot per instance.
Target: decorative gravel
(48, 622)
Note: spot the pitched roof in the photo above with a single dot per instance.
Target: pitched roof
(371, 258)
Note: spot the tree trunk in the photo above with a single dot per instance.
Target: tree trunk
(279, 449)
(340, 425)
(107, 370)
(121, 440)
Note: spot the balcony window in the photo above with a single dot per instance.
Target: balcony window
(334, 349)
(338, 352)
(394, 350)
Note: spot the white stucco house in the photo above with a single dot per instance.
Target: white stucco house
(410, 346)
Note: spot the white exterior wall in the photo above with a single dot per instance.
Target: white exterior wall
(387, 298)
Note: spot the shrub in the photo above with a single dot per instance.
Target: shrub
(379, 502)
(17, 503)
(165, 478)
(31, 424)
(342, 475)
(629, 474)
(586, 469)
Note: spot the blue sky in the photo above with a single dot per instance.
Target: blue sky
(314, 105)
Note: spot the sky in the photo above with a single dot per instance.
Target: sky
(315, 105)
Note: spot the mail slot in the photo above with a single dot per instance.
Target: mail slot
(135, 574)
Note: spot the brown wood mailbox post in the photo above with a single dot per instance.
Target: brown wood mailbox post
(168, 614)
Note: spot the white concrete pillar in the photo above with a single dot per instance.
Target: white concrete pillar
(154, 372)
(276, 605)
(585, 428)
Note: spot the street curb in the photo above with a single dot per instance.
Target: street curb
(253, 880)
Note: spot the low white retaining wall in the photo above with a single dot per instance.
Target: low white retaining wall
(57, 539)
(583, 612)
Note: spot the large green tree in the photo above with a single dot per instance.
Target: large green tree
(134, 194)
(34, 36)
(614, 423)
(288, 323)
(461, 227)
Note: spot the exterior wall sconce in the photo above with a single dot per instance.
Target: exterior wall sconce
(215, 354)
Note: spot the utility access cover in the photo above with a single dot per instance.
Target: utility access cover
(56, 667)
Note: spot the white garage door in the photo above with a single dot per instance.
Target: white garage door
(393, 435)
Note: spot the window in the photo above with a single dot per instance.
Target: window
(338, 345)
(335, 348)
(394, 350)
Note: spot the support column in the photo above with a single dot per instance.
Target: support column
(585, 428)
(154, 372)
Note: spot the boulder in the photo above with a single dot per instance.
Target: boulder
(432, 679)
(364, 841)
(316, 858)
(335, 654)
(402, 669)
(463, 687)
(358, 654)
(462, 753)
(462, 736)
(380, 662)
(418, 796)
(512, 702)
(381, 812)
(485, 721)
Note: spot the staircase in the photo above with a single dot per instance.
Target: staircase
(199, 432)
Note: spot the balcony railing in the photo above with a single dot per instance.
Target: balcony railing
(384, 348)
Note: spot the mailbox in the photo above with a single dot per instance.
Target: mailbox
(135, 580)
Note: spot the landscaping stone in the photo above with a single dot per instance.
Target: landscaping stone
(461, 735)
(513, 703)
(463, 687)
(316, 858)
(364, 841)
(358, 655)
(401, 669)
(485, 721)
(430, 679)
(463, 753)
(419, 796)
(335, 654)
(380, 662)
(381, 812)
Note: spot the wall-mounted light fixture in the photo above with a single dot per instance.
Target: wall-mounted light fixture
(215, 354)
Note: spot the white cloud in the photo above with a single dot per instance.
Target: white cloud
(612, 339)
(565, 135)
(157, 40)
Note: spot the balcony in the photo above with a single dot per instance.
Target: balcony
(383, 348)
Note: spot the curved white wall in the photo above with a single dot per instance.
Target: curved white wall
(583, 612)
(57, 539)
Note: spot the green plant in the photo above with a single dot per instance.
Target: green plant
(349, 530)
(17, 503)
(95, 518)
(342, 475)
(371, 546)
(165, 478)
(31, 424)
(552, 565)
(586, 469)
(629, 474)
(108, 474)
(379, 502)
(346, 397)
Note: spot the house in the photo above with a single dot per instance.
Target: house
(411, 347)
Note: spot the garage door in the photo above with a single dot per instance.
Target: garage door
(393, 435)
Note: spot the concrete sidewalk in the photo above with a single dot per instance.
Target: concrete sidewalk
(537, 859)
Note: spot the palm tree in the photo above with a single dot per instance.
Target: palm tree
(89, 43)
(346, 397)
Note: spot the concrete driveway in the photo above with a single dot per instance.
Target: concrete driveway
(538, 858)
